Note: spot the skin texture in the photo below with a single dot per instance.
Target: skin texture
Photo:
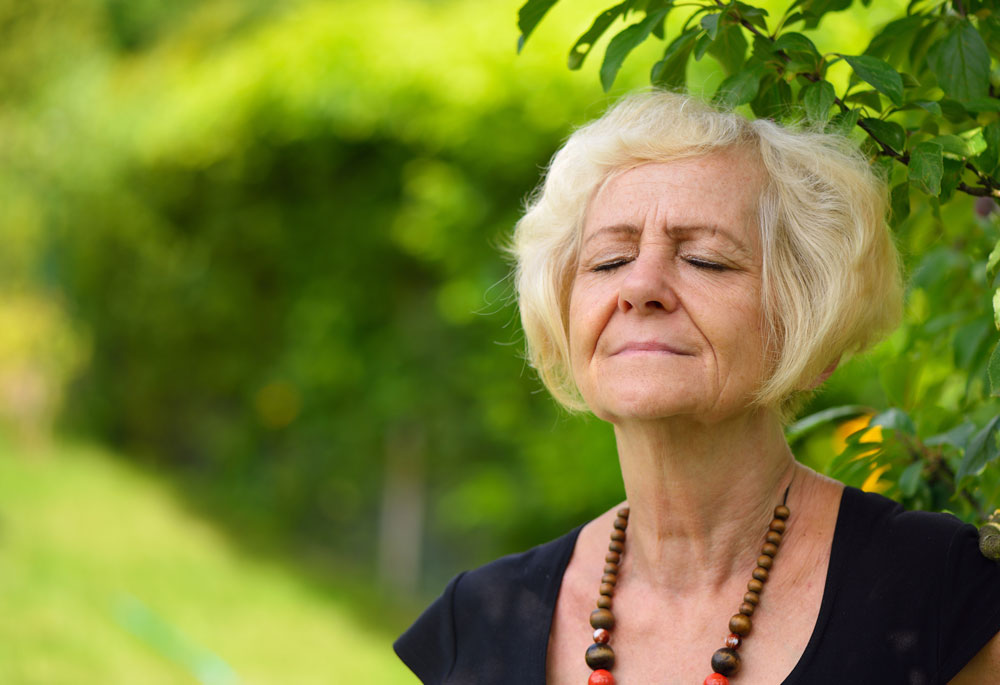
(667, 321)
(666, 344)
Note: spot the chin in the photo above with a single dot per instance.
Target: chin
(647, 405)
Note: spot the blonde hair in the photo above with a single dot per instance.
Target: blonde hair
(830, 279)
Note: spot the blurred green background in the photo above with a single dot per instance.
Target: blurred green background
(261, 379)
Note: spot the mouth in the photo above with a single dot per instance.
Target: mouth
(650, 347)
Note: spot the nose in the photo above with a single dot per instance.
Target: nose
(648, 287)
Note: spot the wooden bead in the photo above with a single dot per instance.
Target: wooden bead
(760, 574)
(600, 656)
(774, 537)
(613, 557)
(716, 679)
(618, 535)
(726, 661)
(623, 512)
(615, 546)
(621, 523)
(733, 641)
(611, 568)
(765, 561)
(746, 608)
(607, 589)
(604, 602)
(609, 578)
(601, 677)
(782, 512)
(740, 624)
(769, 548)
(603, 618)
(752, 598)
(602, 635)
(755, 585)
(777, 525)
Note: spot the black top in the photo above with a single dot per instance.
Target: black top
(908, 599)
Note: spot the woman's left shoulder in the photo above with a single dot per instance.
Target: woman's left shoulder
(925, 571)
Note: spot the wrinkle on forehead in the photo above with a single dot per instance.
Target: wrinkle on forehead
(742, 170)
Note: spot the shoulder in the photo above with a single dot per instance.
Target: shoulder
(914, 584)
(879, 529)
(484, 612)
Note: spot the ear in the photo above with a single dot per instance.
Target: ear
(824, 375)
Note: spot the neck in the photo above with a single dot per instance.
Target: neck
(701, 497)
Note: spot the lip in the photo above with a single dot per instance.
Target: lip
(652, 346)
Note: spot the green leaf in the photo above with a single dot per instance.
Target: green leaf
(754, 15)
(978, 105)
(729, 47)
(710, 22)
(701, 46)
(961, 62)
(953, 110)
(879, 75)
(993, 371)
(981, 450)
(951, 177)
(957, 437)
(808, 423)
(989, 160)
(909, 480)
(585, 43)
(896, 419)
(868, 98)
(929, 106)
(818, 98)
(994, 259)
(795, 42)
(844, 122)
(741, 87)
(528, 17)
(624, 43)
(670, 72)
(969, 339)
(900, 202)
(927, 167)
(774, 97)
(996, 308)
(813, 10)
(952, 145)
(889, 132)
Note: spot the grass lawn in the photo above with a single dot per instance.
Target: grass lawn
(106, 578)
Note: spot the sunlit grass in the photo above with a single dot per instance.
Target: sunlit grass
(106, 578)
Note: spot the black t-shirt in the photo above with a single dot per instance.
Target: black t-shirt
(908, 599)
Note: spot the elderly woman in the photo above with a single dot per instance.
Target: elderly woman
(688, 276)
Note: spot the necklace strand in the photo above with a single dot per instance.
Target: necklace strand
(725, 661)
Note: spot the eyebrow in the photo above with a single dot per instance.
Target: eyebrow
(680, 229)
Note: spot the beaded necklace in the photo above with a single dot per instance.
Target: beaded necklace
(726, 661)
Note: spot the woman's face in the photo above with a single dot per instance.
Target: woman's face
(665, 314)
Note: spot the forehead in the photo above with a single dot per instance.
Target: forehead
(719, 190)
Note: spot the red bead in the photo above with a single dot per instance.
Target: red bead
(601, 635)
(733, 641)
(601, 677)
(716, 679)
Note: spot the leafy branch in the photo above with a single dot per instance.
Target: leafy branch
(930, 108)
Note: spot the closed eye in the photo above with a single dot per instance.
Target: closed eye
(610, 266)
(705, 264)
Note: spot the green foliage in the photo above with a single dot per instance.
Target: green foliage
(922, 101)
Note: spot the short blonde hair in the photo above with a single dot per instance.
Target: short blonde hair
(831, 281)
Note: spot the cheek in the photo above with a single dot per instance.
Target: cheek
(587, 316)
